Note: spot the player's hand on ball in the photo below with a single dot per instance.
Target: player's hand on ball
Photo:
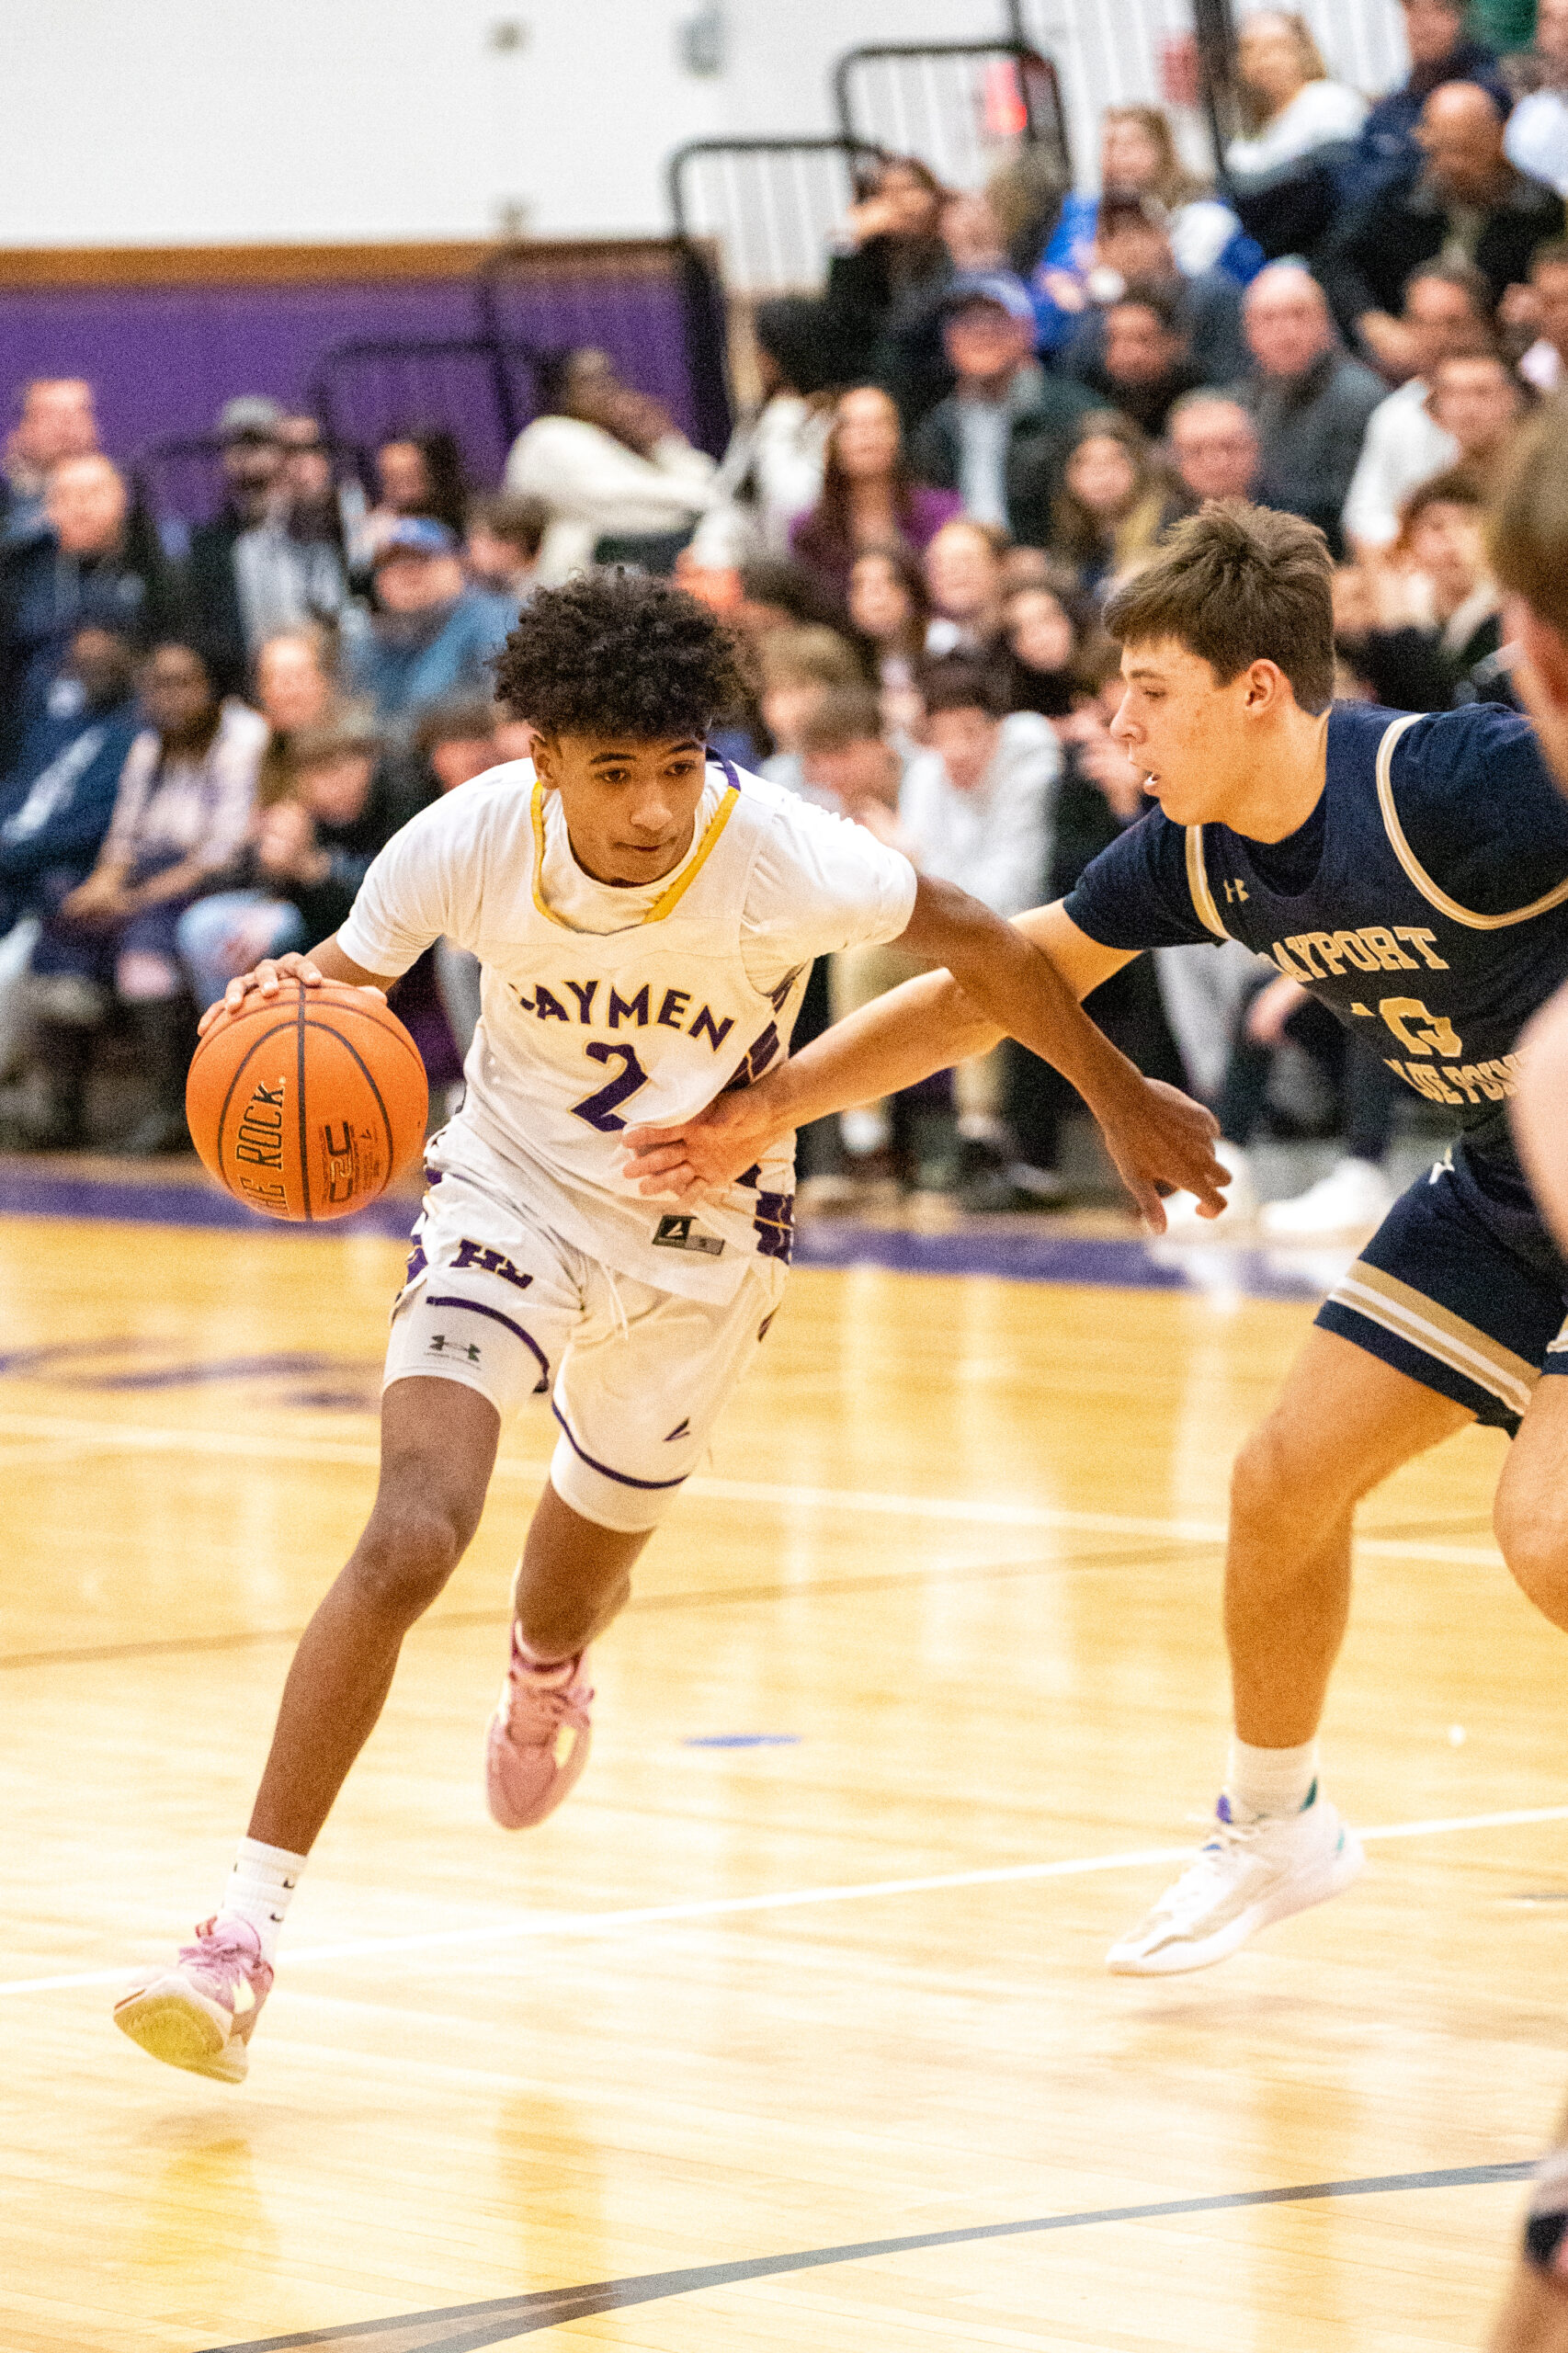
(265, 977)
(705, 1155)
(1163, 1142)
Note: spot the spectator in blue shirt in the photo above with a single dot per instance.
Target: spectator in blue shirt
(98, 562)
(1440, 51)
(431, 634)
(56, 804)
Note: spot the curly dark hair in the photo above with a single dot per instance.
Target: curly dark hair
(619, 653)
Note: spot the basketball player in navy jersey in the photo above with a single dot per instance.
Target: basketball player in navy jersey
(645, 920)
(1412, 873)
(1529, 551)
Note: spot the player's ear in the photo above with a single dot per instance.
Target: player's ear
(545, 753)
(1267, 686)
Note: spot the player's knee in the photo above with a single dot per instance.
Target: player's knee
(407, 1552)
(1532, 1536)
(1265, 1479)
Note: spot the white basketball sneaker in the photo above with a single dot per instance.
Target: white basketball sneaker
(1241, 1200)
(1355, 1193)
(1246, 1875)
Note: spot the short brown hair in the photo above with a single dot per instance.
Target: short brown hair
(1529, 531)
(846, 715)
(1236, 584)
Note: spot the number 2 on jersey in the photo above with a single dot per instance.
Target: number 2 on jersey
(599, 1110)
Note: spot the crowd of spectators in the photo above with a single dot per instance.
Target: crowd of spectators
(995, 406)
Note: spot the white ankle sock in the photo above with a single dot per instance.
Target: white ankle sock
(263, 1880)
(1270, 1780)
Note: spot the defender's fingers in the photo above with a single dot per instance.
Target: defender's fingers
(640, 1140)
(1150, 1206)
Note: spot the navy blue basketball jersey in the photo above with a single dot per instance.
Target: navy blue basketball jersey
(1424, 902)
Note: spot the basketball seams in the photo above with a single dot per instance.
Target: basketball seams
(324, 1029)
(251, 1052)
(308, 1015)
(299, 1029)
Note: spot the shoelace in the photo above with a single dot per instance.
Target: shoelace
(562, 1703)
(1192, 1890)
(219, 1948)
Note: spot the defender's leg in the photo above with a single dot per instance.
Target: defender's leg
(1345, 1421)
(1531, 1511)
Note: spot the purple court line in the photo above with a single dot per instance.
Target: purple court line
(464, 2328)
(1010, 1253)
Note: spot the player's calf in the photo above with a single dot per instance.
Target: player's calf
(1531, 1513)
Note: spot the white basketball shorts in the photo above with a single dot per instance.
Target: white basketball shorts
(636, 1377)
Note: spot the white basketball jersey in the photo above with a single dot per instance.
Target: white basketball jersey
(584, 1034)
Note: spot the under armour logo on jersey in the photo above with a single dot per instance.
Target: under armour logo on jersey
(1235, 895)
(439, 1346)
(681, 1429)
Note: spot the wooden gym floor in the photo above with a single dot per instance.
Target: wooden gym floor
(791, 2029)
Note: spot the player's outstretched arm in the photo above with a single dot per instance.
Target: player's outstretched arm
(326, 963)
(1160, 1142)
(1157, 1137)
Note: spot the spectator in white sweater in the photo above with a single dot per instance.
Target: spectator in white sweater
(609, 464)
(1447, 315)
(975, 808)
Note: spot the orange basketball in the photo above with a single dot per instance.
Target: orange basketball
(307, 1104)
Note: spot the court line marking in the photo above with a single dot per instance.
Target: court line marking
(970, 1510)
(507, 2317)
(642, 1915)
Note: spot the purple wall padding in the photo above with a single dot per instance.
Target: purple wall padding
(165, 359)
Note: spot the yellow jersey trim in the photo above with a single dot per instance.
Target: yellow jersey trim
(1430, 890)
(1198, 883)
(671, 898)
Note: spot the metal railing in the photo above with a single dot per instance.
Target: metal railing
(479, 388)
(768, 207)
(962, 106)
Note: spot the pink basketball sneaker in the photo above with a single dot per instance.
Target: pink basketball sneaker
(200, 2014)
(528, 1770)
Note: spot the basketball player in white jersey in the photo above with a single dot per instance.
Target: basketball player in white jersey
(646, 921)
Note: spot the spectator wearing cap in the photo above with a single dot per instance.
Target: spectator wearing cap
(502, 543)
(1312, 402)
(610, 466)
(98, 562)
(1137, 357)
(1462, 199)
(1214, 447)
(772, 469)
(1440, 51)
(1447, 309)
(295, 881)
(1002, 437)
(431, 633)
(57, 420)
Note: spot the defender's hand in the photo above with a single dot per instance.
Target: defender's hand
(703, 1156)
(1162, 1141)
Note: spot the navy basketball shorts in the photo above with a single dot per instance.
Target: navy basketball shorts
(1463, 1295)
(636, 1377)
